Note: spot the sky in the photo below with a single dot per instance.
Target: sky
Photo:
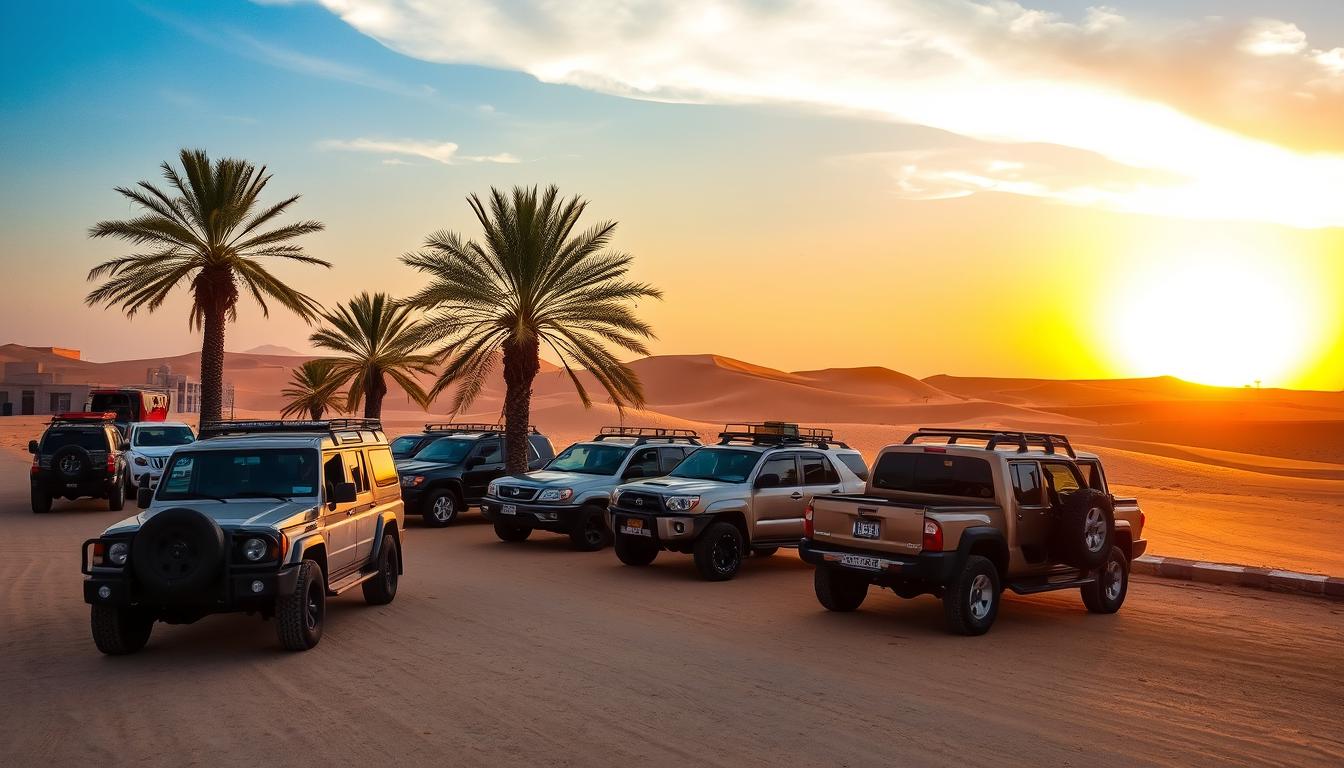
(1046, 188)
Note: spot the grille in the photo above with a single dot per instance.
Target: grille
(641, 501)
(157, 462)
(517, 492)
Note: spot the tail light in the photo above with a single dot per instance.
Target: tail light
(111, 464)
(808, 528)
(933, 536)
(34, 469)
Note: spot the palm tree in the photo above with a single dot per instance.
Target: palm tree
(205, 231)
(379, 340)
(313, 388)
(531, 280)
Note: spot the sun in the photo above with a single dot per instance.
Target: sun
(1224, 319)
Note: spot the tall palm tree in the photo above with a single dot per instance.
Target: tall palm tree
(314, 389)
(378, 340)
(532, 280)
(205, 231)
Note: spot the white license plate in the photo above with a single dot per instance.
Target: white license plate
(867, 529)
(635, 527)
(508, 509)
(860, 561)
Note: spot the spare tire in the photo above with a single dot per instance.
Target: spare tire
(73, 463)
(1085, 529)
(177, 554)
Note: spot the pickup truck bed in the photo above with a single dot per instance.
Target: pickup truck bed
(880, 524)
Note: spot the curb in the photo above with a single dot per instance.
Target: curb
(1240, 576)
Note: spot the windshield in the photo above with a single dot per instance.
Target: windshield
(403, 446)
(590, 459)
(88, 438)
(162, 437)
(240, 474)
(726, 465)
(445, 450)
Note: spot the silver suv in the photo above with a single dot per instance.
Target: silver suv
(571, 494)
(748, 493)
(270, 517)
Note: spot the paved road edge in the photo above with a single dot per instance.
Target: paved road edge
(1240, 575)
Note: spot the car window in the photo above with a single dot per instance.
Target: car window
(1091, 474)
(241, 473)
(783, 467)
(1061, 478)
(669, 458)
(855, 463)
(405, 445)
(1027, 483)
(384, 468)
(934, 473)
(726, 465)
(161, 437)
(646, 461)
(446, 450)
(359, 472)
(89, 439)
(490, 451)
(818, 470)
(333, 471)
(590, 459)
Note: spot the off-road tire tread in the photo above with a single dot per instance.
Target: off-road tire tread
(290, 608)
(118, 631)
(512, 532)
(41, 502)
(375, 589)
(956, 607)
(1094, 597)
(578, 540)
(838, 590)
(633, 552)
(704, 552)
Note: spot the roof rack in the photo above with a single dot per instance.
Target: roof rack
(74, 417)
(778, 433)
(648, 434)
(993, 438)
(470, 426)
(273, 426)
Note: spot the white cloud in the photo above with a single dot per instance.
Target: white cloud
(444, 152)
(1269, 37)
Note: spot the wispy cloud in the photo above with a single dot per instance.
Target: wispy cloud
(1243, 116)
(444, 152)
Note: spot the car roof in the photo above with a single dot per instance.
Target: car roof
(160, 424)
(234, 442)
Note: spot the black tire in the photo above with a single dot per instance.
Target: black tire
(41, 501)
(719, 552)
(1086, 529)
(299, 615)
(971, 600)
(1107, 593)
(381, 589)
(178, 553)
(440, 507)
(590, 532)
(119, 631)
(116, 496)
(764, 552)
(512, 532)
(838, 589)
(635, 551)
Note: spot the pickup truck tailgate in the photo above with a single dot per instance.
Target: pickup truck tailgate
(868, 522)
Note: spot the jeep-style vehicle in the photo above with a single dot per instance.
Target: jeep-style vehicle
(81, 455)
(150, 445)
(964, 521)
(453, 471)
(746, 494)
(267, 517)
(571, 494)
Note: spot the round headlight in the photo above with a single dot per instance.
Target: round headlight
(254, 549)
(118, 552)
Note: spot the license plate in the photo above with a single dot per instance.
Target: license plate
(634, 527)
(867, 529)
(508, 509)
(861, 561)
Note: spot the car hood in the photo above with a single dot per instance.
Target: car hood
(155, 451)
(676, 486)
(413, 467)
(544, 478)
(244, 513)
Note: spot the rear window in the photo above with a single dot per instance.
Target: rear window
(384, 470)
(935, 473)
(90, 439)
(855, 463)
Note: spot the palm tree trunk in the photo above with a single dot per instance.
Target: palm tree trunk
(316, 412)
(521, 363)
(374, 392)
(212, 364)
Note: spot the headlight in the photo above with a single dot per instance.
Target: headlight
(140, 461)
(556, 494)
(615, 497)
(255, 549)
(492, 489)
(682, 503)
(118, 552)
(408, 481)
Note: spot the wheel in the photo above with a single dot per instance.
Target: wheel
(299, 614)
(118, 631)
(590, 533)
(1085, 530)
(718, 552)
(381, 589)
(971, 601)
(41, 501)
(116, 496)
(512, 532)
(635, 551)
(839, 590)
(764, 552)
(1107, 593)
(440, 508)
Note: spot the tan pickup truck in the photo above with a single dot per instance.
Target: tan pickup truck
(963, 514)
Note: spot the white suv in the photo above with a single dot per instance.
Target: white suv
(152, 443)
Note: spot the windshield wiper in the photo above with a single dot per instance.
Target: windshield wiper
(260, 495)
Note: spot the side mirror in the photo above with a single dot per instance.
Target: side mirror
(144, 495)
(473, 462)
(343, 493)
(33, 447)
(770, 480)
(633, 473)
(124, 446)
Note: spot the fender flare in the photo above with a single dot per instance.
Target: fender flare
(984, 533)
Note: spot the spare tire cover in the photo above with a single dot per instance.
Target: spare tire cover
(178, 553)
(72, 462)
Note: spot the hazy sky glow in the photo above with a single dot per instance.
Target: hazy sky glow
(1157, 180)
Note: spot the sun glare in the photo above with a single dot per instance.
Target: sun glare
(1226, 320)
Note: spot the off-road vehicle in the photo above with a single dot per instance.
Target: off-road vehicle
(266, 517)
(452, 472)
(746, 494)
(81, 455)
(151, 443)
(406, 446)
(571, 494)
(962, 514)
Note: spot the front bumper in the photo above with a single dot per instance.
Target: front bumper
(558, 516)
(885, 569)
(232, 592)
(660, 527)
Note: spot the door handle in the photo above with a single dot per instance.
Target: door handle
(795, 495)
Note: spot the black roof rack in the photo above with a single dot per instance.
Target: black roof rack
(277, 426)
(648, 434)
(778, 433)
(993, 438)
(470, 426)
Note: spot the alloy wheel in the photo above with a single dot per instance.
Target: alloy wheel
(1095, 529)
(981, 597)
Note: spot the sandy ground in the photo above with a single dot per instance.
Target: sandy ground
(530, 654)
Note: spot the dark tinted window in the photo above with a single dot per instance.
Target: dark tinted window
(935, 473)
(89, 438)
(855, 463)
(241, 474)
(645, 461)
(1027, 483)
(670, 458)
(590, 459)
(783, 467)
(405, 445)
(491, 451)
(1091, 475)
(162, 437)
(726, 465)
(817, 470)
(447, 450)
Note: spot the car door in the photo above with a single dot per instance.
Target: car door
(777, 500)
(488, 460)
(1032, 513)
(364, 510)
(337, 519)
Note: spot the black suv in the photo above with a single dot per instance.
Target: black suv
(81, 455)
(454, 469)
(407, 446)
